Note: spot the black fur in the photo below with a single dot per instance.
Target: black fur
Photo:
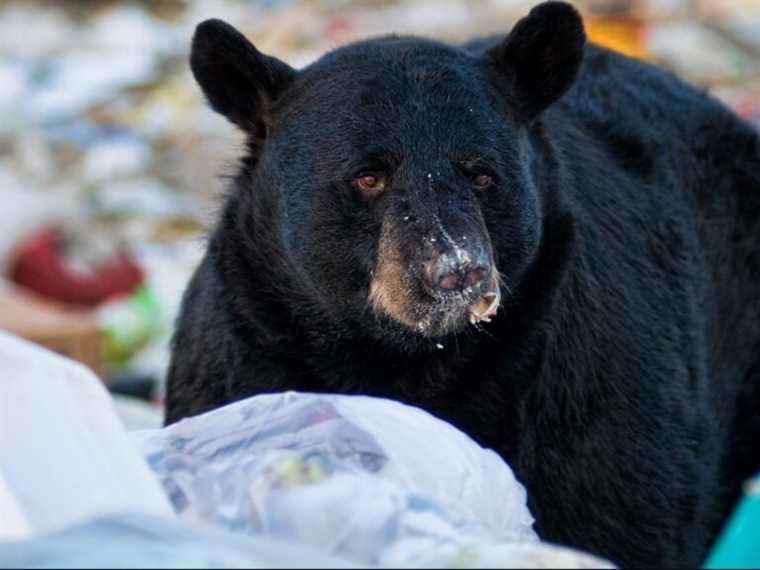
(240, 81)
(542, 54)
(620, 376)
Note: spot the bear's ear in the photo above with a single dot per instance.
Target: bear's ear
(542, 55)
(238, 80)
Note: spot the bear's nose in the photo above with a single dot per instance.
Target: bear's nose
(450, 273)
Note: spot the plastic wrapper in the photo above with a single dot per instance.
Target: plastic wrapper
(369, 480)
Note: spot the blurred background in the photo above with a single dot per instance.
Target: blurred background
(110, 162)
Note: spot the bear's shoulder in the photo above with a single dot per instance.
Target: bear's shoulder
(614, 89)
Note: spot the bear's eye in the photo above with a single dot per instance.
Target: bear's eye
(371, 183)
(482, 181)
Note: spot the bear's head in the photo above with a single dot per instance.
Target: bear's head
(397, 171)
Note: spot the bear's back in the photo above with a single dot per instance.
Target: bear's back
(693, 168)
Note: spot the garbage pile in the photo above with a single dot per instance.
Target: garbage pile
(277, 480)
(110, 161)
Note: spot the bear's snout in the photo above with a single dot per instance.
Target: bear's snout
(456, 272)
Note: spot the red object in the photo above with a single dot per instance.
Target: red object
(340, 30)
(38, 264)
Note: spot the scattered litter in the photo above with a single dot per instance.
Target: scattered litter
(116, 158)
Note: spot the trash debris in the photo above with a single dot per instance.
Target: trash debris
(342, 473)
(116, 158)
(129, 323)
(62, 266)
(737, 546)
(302, 479)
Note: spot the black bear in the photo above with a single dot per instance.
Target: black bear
(551, 246)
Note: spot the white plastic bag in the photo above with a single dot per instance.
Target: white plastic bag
(64, 455)
(368, 479)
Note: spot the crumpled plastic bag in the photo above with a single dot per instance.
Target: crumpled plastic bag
(369, 480)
